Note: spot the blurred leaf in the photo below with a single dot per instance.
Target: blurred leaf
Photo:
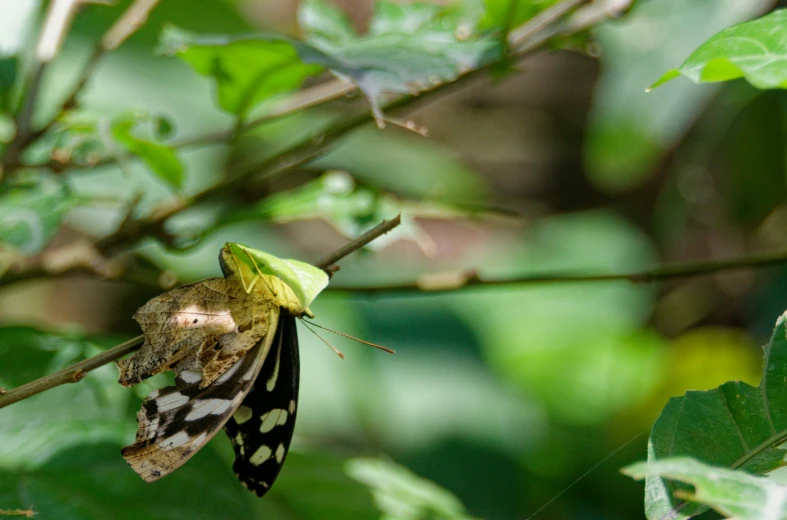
(735, 425)
(8, 71)
(510, 13)
(31, 215)
(316, 486)
(731, 493)
(162, 159)
(16, 19)
(325, 24)
(351, 209)
(407, 165)
(34, 430)
(247, 69)
(755, 50)
(95, 483)
(402, 495)
(753, 155)
(409, 47)
(630, 130)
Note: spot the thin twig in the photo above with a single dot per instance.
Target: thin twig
(52, 35)
(377, 231)
(70, 374)
(76, 372)
(55, 27)
(445, 282)
(539, 22)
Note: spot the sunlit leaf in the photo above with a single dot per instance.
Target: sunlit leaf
(755, 50)
(409, 48)
(247, 69)
(732, 493)
(735, 426)
(304, 279)
(30, 215)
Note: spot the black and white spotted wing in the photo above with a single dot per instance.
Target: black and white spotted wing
(177, 421)
(261, 429)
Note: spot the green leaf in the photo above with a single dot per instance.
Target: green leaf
(247, 69)
(735, 426)
(31, 215)
(94, 483)
(325, 24)
(401, 494)
(755, 50)
(731, 493)
(37, 428)
(304, 279)
(16, 21)
(316, 486)
(162, 159)
(629, 132)
(409, 48)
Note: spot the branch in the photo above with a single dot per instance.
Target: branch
(58, 19)
(72, 374)
(452, 281)
(76, 372)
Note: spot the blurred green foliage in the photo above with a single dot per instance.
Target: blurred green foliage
(498, 399)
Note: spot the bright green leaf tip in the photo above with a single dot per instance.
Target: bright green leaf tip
(754, 50)
(305, 280)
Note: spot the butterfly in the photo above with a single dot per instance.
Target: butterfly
(233, 344)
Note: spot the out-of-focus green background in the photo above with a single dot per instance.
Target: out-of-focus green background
(502, 396)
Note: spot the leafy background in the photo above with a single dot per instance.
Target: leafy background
(497, 398)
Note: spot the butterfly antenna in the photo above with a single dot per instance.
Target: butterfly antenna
(321, 338)
(375, 345)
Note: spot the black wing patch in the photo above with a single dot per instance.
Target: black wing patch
(261, 428)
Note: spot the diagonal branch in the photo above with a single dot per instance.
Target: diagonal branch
(76, 372)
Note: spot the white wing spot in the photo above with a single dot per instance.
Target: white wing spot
(190, 376)
(280, 453)
(270, 420)
(292, 406)
(262, 454)
(179, 439)
(239, 439)
(242, 414)
(228, 373)
(170, 402)
(204, 407)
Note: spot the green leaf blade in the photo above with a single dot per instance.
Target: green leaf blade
(734, 426)
(247, 69)
(755, 50)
